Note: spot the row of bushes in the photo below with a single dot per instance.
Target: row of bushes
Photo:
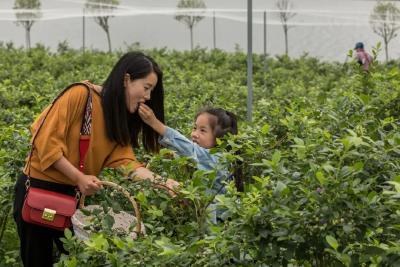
(320, 159)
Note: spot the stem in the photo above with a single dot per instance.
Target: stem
(4, 225)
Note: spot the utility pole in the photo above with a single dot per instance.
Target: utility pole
(265, 33)
(83, 31)
(249, 60)
(265, 48)
(214, 36)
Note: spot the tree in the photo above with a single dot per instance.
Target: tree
(383, 20)
(285, 15)
(104, 8)
(29, 12)
(190, 20)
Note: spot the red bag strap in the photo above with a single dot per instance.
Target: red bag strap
(86, 128)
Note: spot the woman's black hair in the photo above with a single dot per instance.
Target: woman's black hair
(122, 126)
(225, 122)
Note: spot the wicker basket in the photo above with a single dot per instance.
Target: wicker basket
(123, 220)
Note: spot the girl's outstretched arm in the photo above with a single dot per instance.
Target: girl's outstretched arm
(174, 140)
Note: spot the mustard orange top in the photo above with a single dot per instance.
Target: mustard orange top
(59, 136)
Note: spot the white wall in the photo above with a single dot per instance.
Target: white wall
(332, 27)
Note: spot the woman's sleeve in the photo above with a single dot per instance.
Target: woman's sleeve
(123, 156)
(174, 140)
(50, 143)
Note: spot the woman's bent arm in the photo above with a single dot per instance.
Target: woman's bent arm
(87, 184)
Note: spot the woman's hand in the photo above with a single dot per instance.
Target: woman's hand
(147, 115)
(88, 184)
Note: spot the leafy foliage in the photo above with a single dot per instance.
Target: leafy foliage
(321, 161)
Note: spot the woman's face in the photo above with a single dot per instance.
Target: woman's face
(138, 90)
(202, 133)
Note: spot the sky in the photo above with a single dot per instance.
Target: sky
(326, 29)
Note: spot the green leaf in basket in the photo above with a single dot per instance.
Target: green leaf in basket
(86, 212)
(116, 207)
(108, 221)
(141, 197)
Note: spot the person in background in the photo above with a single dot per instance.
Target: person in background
(116, 127)
(362, 57)
(210, 124)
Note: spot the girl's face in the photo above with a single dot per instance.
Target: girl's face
(202, 133)
(138, 91)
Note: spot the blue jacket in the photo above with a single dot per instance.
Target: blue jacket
(174, 140)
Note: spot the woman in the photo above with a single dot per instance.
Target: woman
(115, 129)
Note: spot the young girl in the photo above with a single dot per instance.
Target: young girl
(210, 124)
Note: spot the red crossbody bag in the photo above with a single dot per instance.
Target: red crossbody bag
(48, 208)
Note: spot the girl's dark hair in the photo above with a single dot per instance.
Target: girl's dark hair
(225, 122)
(122, 126)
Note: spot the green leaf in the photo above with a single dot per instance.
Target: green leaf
(328, 168)
(156, 212)
(320, 177)
(168, 248)
(72, 262)
(332, 242)
(265, 129)
(264, 181)
(347, 228)
(276, 157)
(365, 98)
(372, 197)
(358, 166)
(355, 140)
(109, 221)
(98, 242)
(119, 243)
(141, 197)
(298, 141)
(279, 188)
(396, 185)
(68, 233)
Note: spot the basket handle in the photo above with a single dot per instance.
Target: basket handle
(128, 196)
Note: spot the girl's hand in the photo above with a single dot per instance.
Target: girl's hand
(172, 185)
(147, 114)
(149, 118)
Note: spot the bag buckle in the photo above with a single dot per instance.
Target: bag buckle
(48, 214)
(27, 184)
